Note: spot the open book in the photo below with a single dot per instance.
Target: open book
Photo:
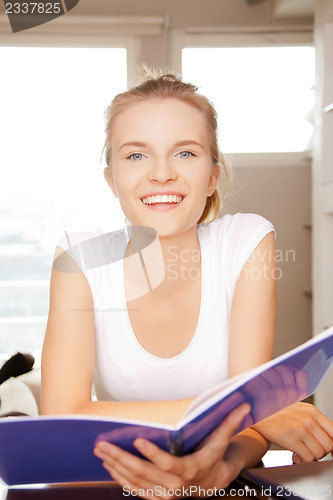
(60, 449)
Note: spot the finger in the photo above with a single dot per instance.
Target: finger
(135, 469)
(296, 459)
(177, 470)
(247, 422)
(320, 435)
(289, 384)
(110, 453)
(120, 460)
(276, 394)
(301, 378)
(124, 477)
(218, 441)
(325, 423)
(273, 378)
(302, 454)
(320, 426)
(309, 449)
(256, 386)
(162, 459)
(130, 487)
(286, 374)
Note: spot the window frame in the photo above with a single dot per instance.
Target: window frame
(89, 31)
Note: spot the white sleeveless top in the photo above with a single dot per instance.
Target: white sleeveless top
(124, 370)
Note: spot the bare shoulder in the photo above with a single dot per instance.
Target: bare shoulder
(264, 253)
(68, 285)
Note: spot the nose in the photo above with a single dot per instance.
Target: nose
(162, 171)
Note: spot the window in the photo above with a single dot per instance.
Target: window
(264, 96)
(51, 180)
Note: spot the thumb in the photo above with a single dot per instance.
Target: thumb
(218, 441)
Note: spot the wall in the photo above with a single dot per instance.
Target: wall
(282, 194)
(189, 15)
(322, 188)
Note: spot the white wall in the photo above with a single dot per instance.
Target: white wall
(322, 188)
(282, 194)
(186, 16)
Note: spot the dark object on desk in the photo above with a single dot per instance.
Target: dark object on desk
(86, 491)
(16, 365)
(91, 491)
(312, 481)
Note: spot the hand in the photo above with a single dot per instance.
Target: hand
(300, 428)
(275, 389)
(204, 468)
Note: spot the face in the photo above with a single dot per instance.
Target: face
(161, 166)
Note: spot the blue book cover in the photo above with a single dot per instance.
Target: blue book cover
(60, 449)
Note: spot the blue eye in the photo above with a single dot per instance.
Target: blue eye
(135, 156)
(185, 154)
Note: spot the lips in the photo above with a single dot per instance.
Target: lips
(172, 199)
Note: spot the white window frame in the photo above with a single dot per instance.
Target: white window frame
(88, 31)
(245, 37)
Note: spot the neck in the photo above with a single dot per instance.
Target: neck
(170, 260)
(187, 240)
(181, 255)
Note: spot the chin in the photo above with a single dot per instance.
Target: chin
(170, 232)
(166, 227)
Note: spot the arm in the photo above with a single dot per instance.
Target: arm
(301, 427)
(69, 356)
(252, 332)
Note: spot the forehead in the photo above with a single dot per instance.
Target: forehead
(159, 121)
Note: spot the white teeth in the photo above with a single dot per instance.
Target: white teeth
(162, 198)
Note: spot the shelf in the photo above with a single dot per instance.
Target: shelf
(328, 108)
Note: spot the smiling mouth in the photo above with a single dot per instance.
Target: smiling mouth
(165, 199)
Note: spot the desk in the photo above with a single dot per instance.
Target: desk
(103, 491)
(310, 481)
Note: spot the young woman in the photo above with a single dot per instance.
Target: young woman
(155, 328)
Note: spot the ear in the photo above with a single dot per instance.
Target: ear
(213, 180)
(109, 179)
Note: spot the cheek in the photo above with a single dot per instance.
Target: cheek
(121, 181)
(126, 176)
(204, 180)
(125, 185)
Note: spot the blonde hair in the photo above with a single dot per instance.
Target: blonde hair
(157, 84)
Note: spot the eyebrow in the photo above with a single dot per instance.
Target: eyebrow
(189, 142)
(136, 144)
(139, 144)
